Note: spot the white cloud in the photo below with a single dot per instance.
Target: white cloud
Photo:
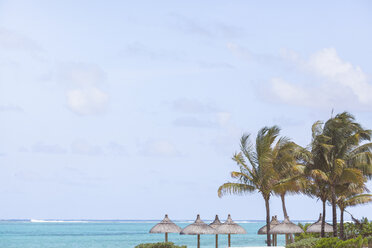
(328, 64)
(85, 96)
(335, 83)
(87, 101)
(290, 93)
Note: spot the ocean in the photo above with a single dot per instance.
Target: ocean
(112, 234)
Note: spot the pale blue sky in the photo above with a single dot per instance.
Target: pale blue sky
(133, 109)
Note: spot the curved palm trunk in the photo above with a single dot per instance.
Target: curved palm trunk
(334, 210)
(342, 224)
(267, 205)
(323, 218)
(282, 197)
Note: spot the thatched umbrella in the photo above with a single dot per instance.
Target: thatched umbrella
(197, 228)
(317, 226)
(216, 223)
(263, 230)
(286, 227)
(166, 226)
(230, 227)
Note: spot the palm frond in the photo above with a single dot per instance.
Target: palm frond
(234, 188)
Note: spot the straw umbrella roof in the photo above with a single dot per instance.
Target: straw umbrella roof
(230, 227)
(198, 227)
(286, 227)
(165, 226)
(274, 222)
(216, 222)
(317, 226)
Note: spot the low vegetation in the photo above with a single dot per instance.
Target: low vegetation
(333, 242)
(160, 245)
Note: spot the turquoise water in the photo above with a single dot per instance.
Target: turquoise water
(111, 234)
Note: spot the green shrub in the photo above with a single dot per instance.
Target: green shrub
(160, 245)
(351, 243)
(304, 243)
(305, 235)
(327, 243)
(332, 243)
(369, 241)
(353, 230)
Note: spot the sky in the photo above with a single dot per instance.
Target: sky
(133, 109)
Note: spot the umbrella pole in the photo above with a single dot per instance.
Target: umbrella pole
(276, 239)
(286, 239)
(198, 240)
(216, 240)
(229, 240)
(166, 237)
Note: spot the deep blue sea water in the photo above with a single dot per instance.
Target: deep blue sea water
(111, 234)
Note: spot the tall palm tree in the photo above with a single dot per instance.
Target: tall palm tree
(289, 173)
(338, 157)
(309, 162)
(318, 189)
(256, 167)
(285, 165)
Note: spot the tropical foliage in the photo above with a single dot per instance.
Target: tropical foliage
(333, 168)
(160, 245)
(333, 242)
(261, 167)
(362, 228)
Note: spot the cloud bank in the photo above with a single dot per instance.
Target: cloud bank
(330, 81)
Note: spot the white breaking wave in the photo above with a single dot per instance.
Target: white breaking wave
(57, 221)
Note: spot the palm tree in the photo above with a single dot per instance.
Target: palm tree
(309, 160)
(337, 156)
(285, 165)
(256, 167)
(349, 196)
(289, 172)
(318, 189)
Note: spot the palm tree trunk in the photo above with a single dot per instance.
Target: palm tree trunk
(323, 218)
(342, 224)
(334, 210)
(282, 196)
(267, 205)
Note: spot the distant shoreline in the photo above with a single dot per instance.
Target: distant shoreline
(128, 220)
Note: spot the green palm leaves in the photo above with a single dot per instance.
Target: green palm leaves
(262, 167)
(334, 168)
(338, 158)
